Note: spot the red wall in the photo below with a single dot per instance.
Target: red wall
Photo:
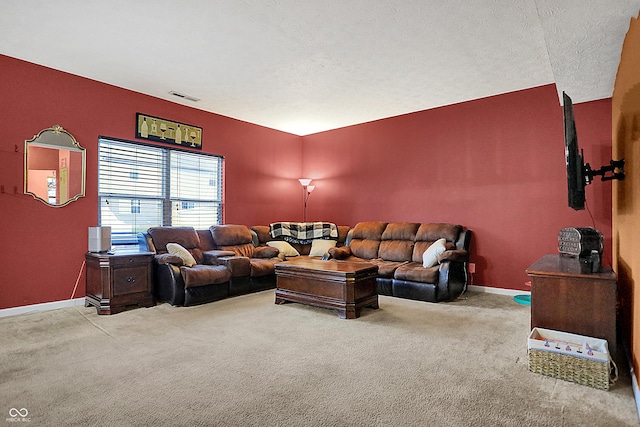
(495, 165)
(43, 247)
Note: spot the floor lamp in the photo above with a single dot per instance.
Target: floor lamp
(307, 191)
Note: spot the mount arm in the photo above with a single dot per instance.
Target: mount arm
(615, 167)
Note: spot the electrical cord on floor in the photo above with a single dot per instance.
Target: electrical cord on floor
(75, 288)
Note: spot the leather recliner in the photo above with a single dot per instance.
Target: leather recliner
(176, 283)
(252, 268)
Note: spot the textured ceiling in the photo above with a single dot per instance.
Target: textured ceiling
(304, 66)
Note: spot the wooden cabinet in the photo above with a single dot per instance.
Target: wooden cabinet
(566, 296)
(115, 281)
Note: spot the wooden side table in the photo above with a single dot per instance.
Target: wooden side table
(115, 281)
(566, 296)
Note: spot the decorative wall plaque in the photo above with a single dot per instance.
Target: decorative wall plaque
(162, 130)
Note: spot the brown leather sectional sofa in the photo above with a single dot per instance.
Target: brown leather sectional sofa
(235, 259)
(230, 260)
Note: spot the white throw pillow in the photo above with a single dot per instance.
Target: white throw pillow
(178, 250)
(430, 256)
(320, 246)
(284, 247)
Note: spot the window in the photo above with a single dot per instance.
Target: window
(141, 186)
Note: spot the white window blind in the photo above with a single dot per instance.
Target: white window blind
(143, 186)
(194, 191)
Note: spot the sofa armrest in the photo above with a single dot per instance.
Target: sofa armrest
(454, 255)
(342, 252)
(212, 257)
(168, 284)
(168, 259)
(265, 252)
(452, 281)
(239, 266)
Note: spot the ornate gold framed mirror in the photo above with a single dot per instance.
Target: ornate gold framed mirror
(54, 167)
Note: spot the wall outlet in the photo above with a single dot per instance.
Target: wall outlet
(472, 267)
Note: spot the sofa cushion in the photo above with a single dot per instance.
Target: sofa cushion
(263, 267)
(434, 231)
(187, 237)
(184, 236)
(415, 272)
(396, 250)
(263, 232)
(371, 230)
(367, 249)
(230, 234)
(386, 269)
(400, 231)
(365, 239)
(265, 252)
(319, 247)
(177, 250)
(241, 250)
(206, 240)
(430, 256)
(284, 247)
(202, 275)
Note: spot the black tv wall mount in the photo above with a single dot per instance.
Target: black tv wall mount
(615, 168)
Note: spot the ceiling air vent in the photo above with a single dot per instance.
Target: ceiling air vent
(183, 96)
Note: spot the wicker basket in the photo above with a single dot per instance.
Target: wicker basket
(570, 357)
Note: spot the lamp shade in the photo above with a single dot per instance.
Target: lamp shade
(310, 188)
(305, 181)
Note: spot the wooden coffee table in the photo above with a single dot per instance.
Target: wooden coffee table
(343, 286)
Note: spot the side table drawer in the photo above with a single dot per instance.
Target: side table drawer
(118, 262)
(130, 280)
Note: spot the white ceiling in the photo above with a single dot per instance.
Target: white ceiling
(305, 66)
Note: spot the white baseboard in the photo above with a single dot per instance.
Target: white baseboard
(501, 291)
(41, 307)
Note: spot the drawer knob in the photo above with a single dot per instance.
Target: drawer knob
(130, 259)
(131, 279)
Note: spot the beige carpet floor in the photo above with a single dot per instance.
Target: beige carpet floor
(245, 361)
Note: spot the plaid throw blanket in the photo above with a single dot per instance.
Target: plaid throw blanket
(303, 232)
